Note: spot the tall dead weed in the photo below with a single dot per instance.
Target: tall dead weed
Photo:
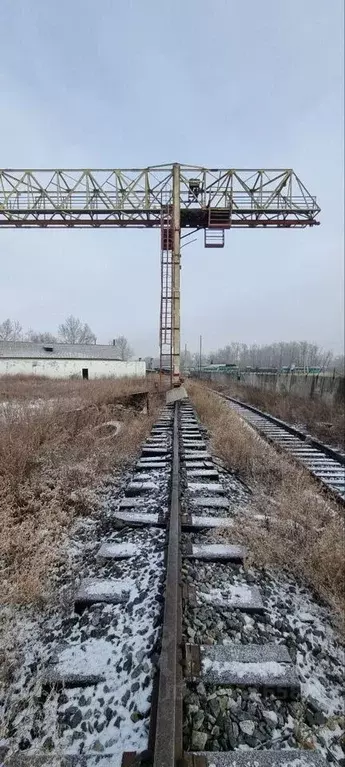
(304, 530)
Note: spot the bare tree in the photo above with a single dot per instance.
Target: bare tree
(40, 338)
(285, 354)
(73, 331)
(123, 348)
(10, 330)
(186, 360)
(339, 364)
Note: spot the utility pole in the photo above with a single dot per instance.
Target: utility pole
(176, 268)
(200, 354)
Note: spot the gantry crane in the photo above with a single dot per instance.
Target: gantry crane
(168, 197)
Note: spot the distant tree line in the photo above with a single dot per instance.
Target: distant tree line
(281, 354)
(72, 331)
(289, 354)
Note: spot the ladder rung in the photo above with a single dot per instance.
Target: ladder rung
(219, 218)
(214, 238)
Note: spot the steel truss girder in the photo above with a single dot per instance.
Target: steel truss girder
(135, 197)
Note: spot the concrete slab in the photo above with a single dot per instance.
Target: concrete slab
(118, 550)
(210, 502)
(203, 473)
(156, 443)
(194, 444)
(152, 459)
(205, 487)
(144, 477)
(203, 464)
(163, 420)
(267, 665)
(132, 503)
(191, 433)
(243, 653)
(338, 471)
(69, 678)
(271, 758)
(191, 455)
(305, 452)
(192, 522)
(140, 488)
(149, 466)
(79, 665)
(147, 450)
(137, 518)
(239, 597)
(175, 395)
(93, 590)
(42, 759)
(332, 473)
(217, 552)
(192, 437)
(312, 463)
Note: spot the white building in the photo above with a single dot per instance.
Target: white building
(65, 360)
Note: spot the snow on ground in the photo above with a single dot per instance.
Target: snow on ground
(119, 640)
(292, 616)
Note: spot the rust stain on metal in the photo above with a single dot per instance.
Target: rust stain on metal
(192, 660)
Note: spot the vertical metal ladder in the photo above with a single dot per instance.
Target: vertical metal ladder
(166, 308)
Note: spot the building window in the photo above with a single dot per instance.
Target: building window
(85, 373)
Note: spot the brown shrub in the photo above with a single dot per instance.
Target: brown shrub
(51, 461)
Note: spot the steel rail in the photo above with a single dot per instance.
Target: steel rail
(308, 442)
(327, 449)
(168, 749)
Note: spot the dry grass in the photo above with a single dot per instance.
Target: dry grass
(304, 531)
(51, 461)
(24, 388)
(323, 421)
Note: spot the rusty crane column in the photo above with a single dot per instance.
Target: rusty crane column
(176, 268)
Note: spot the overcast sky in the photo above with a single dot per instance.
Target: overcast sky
(133, 83)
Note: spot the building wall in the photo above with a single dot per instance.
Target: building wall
(323, 386)
(65, 368)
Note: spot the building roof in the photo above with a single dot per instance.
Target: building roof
(29, 350)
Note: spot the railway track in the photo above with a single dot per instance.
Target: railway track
(174, 503)
(326, 464)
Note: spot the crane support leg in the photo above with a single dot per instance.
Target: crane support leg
(176, 276)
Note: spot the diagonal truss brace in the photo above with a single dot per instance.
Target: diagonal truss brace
(135, 197)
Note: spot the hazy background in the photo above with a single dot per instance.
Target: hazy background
(144, 82)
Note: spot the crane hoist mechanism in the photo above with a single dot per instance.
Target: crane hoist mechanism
(166, 197)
